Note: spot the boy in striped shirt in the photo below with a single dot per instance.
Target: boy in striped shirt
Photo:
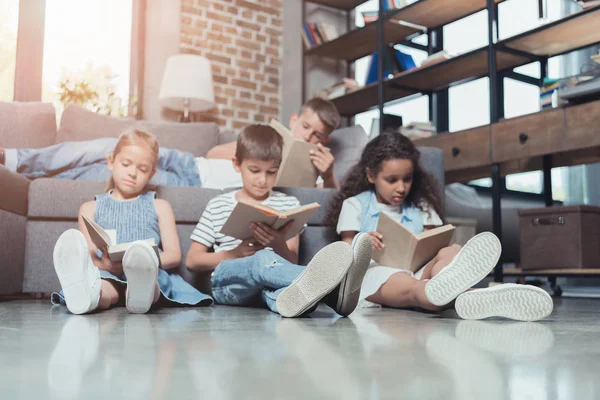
(263, 270)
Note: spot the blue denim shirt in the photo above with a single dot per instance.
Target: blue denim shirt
(411, 216)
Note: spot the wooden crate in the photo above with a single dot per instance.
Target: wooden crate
(560, 237)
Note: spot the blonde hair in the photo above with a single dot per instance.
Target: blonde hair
(325, 110)
(134, 137)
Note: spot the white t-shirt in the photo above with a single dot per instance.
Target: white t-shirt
(349, 219)
(218, 209)
(220, 174)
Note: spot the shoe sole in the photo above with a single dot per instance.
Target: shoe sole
(518, 302)
(71, 256)
(472, 263)
(325, 271)
(141, 269)
(352, 282)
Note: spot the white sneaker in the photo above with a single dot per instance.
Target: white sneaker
(518, 302)
(78, 276)
(472, 263)
(320, 277)
(140, 265)
(346, 295)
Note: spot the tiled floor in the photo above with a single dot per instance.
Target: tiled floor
(235, 353)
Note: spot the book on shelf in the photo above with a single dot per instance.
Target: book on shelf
(339, 89)
(246, 212)
(103, 241)
(370, 16)
(418, 130)
(296, 169)
(394, 61)
(315, 34)
(405, 250)
(436, 58)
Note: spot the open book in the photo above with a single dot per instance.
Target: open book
(246, 212)
(296, 169)
(405, 250)
(102, 240)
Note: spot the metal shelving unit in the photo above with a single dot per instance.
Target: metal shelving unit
(497, 60)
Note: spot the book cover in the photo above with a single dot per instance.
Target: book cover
(296, 169)
(246, 212)
(405, 250)
(102, 240)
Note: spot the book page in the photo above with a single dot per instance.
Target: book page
(296, 169)
(399, 243)
(300, 215)
(429, 243)
(243, 214)
(97, 234)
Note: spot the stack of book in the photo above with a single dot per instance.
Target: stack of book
(314, 34)
(372, 16)
(436, 58)
(339, 89)
(394, 61)
(418, 130)
(548, 93)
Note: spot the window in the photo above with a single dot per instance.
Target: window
(87, 50)
(9, 22)
(411, 110)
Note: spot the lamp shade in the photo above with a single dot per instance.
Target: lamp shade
(187, 78)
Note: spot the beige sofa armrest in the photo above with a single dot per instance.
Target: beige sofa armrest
(14, 190)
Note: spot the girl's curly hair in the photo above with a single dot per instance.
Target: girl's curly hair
(387, 146)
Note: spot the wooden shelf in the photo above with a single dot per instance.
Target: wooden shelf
(456, 70)
(346, 5)
(430, 14)
(442, 75)
(361, 42)
(551, 272)
(435, 13)
(365, 98)
(578, 30)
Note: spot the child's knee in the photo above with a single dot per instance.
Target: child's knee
(448, 252)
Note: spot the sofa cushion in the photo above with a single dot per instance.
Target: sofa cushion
(27, 125)
(78, 124)
(188, 203)
(309, 195)
(346, 146)
(61, 199)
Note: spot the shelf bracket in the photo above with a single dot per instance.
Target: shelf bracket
(502, 47)
(522, 78)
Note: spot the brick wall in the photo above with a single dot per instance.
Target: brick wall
(243, 41)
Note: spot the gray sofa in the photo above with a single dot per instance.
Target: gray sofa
(34, 213)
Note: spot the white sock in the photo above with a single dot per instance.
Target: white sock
(10, 159)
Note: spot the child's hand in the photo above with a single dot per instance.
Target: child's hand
(377, 240)
(269, 237)
(246, 248)
(114, 267)
(323, 160)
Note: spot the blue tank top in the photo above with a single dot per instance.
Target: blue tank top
(133, 219)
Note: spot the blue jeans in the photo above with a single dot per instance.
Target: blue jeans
(254, 280)
(88, 161)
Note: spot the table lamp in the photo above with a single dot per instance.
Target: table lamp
(187, 85)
